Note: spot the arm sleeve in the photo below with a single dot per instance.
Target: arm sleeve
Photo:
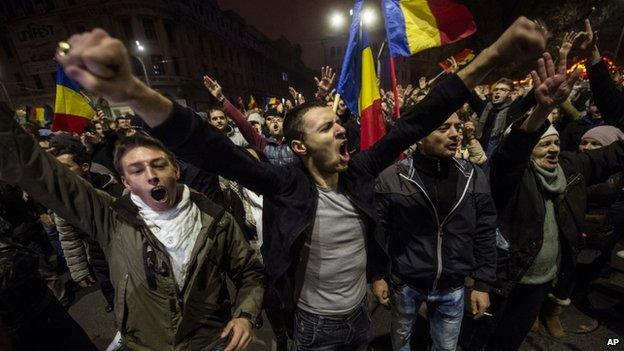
(608, 97)
(476, 104)
(598, 165)
(569, 111)
(444, 99)
(484, 249)
(520, 107)
(73, 248)
(202, 145)
(245, 271)
(510, 161)
(475, 152)
(248, 132)
(25, 164)
(383, 208)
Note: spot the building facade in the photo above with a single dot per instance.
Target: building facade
(182, 40)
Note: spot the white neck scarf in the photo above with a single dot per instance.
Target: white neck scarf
(177, 229)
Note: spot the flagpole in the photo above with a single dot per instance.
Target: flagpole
(395, 91)
(383, 46)
(336, 101)
(436, 77)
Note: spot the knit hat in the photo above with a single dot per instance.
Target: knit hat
(255, 117)
(605, 135)
(550, 131)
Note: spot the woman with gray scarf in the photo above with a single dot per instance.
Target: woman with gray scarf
(541, 195)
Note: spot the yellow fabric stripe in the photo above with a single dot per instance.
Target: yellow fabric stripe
(421, 27)
(369, 92)
(40, 114)
(70, 102)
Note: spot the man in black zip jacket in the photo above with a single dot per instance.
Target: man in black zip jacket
(326, 200)
(440, 221)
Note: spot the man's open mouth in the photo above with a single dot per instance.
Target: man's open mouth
(343, 150)
(159, 193)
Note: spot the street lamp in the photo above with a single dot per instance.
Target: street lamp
(141, 49)
(368, 17)
(337, 20)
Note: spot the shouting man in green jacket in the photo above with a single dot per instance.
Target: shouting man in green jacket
(169, 248)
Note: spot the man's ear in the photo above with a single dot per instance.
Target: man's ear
(299, 147)
(126, 184)
(85, 167)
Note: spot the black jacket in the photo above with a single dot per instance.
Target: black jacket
(520, 203)
(290, 192)
(608, 96)
(429, 250)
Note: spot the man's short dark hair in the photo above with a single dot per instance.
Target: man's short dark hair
(138, 139)
(215, 109)
(79, 154)
(293, 123)
(508, 82)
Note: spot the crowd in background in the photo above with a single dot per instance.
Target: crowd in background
(487, 191)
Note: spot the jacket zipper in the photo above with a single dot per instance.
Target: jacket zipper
(440, 224)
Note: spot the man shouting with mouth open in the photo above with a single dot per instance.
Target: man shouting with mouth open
(319, 222)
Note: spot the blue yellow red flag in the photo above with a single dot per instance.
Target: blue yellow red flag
(358, 83)
(416, 25)
(72, 111)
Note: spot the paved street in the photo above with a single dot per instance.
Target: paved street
(88, 310)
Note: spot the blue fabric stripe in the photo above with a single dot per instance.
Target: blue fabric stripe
(395, 28)
(351, 73)
(63, 79)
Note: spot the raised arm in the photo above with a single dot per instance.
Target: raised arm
(509, 162)
(249, 133)
(25, 164)
(608, 97)
(101, 64)
(524, 38)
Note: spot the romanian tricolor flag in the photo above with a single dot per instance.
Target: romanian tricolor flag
(416, 25)
(358, 83)
(72, 111)
(39, 115)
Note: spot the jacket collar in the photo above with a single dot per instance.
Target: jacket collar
(129, 212)
(406, 170)
(406, 167)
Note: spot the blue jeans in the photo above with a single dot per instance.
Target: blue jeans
(327, 333)
(444, 311)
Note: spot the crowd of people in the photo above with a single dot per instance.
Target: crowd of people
(191, 226)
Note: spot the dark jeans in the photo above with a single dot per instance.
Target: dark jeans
(328, 333)
(511, 320)
(102, 276)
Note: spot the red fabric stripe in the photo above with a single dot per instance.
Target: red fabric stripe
(372, 125)
(69, 123)
(454, 20)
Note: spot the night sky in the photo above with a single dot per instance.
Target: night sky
(304, 22)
